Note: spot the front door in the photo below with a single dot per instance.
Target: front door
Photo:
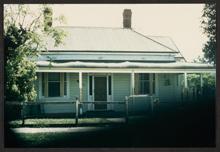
(100, 92)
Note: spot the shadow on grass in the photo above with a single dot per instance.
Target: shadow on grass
(189, 125)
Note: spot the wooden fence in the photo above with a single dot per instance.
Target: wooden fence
(76, 104)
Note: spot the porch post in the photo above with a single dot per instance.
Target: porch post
(126, 109)
(77, 112)
(132, 89)
(61, 84)
(151, 84)
(185, 86)
(132, 83)
(185, 81)
(80, 86)
(201, 84)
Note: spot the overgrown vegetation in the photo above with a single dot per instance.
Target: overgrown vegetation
(209, 28)
(25, 29)
(207, 78)
(208, 89)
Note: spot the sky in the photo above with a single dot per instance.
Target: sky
(181, 22)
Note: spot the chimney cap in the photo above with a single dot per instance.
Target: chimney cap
(127, 10)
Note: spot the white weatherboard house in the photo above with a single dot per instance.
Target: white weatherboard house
(99, 64)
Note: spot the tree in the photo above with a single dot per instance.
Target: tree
(209, 83)
(200, 59)
(25, 28)
(209, 28)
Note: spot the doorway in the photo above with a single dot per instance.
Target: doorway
(100, 92)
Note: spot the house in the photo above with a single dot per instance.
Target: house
(98, 64)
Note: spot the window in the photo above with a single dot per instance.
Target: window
(54, 84)
(144, 83)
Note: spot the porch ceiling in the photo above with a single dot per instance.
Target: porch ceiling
(125, 67)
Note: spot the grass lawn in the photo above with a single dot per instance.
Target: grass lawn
(191, 126)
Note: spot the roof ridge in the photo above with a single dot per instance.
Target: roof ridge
(172, 43)
(163, 43)
(154, 41)
(177, 49)
(157, 35)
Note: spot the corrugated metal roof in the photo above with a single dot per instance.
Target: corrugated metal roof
(108, 39)
(165, 40)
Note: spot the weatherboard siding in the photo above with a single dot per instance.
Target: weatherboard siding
(73, 93)
(121, 88)
(74, 86)
(169, 92)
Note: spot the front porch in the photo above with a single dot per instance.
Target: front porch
(109, 83)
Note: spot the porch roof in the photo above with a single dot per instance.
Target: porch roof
(174, 67)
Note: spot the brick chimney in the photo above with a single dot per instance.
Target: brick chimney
(48, 18)
(127, 18)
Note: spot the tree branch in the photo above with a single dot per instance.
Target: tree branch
(33, 23)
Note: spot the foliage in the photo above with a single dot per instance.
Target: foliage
(209, 28)
(208, 79)
(200, 60)
(24, 38)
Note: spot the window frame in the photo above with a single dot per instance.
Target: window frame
(142, 82)
(50, 80)
(150, 80)
(45, 84)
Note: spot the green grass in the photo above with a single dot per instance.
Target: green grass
(36, 139)
(191, 125)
